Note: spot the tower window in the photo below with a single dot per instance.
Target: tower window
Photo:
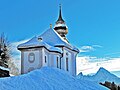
(67, 64)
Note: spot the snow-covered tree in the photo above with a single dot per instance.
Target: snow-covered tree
(4, 51)
(6, 58)
(13, 68)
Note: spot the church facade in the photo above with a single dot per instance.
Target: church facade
(49, 49)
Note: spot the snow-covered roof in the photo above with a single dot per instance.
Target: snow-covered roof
(50, 39)
(35, 42)
(54, 39)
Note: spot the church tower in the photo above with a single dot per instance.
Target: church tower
(60, 26)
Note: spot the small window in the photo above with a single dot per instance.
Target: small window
(57, 63)
(39, 39)
(45, 59)
(60, 63)
(67, 64)
(67, 54)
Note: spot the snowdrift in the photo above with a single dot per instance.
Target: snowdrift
(47, 78)
(101, 76)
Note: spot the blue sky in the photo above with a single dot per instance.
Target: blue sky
(94, 25)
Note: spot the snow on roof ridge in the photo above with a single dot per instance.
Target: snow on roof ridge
(55, 33)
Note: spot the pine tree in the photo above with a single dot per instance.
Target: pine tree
(118, 87)
(113, 86)
(4, 51)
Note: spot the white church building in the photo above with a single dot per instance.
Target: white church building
(50, 49)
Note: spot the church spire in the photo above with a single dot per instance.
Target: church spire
(60, 26)
(60, 15)
(60, 19)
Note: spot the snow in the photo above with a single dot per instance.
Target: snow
(53, 38)
(3, 68)
(35, 42)
(49, 38)
(101, 76)
(47, 78)
(61, 25)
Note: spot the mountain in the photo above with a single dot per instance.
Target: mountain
(47, 78)
(101, 76)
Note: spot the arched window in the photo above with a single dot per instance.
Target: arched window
(67, 64)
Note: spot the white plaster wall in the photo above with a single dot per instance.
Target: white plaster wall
(51, 58)
(55, 61)
(40, 57)
(27, 64)
(71, 60)
(45, 53)
(74, 64)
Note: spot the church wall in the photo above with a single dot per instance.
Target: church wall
(44, 57)
(51, 58)
(22, 62)
(37, 59)
(30, 60)
(40, 54)
(74, 63)
(71, 55)
(40, 58)
(55, 62)
(67, 54)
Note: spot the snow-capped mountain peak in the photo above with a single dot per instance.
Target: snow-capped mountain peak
(104, 73)
(101, 76)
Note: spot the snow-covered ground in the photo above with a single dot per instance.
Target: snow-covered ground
(101, 76)
(47, 78)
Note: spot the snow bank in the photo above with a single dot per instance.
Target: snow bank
(47, 78)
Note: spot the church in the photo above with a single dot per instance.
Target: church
(51, 49)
